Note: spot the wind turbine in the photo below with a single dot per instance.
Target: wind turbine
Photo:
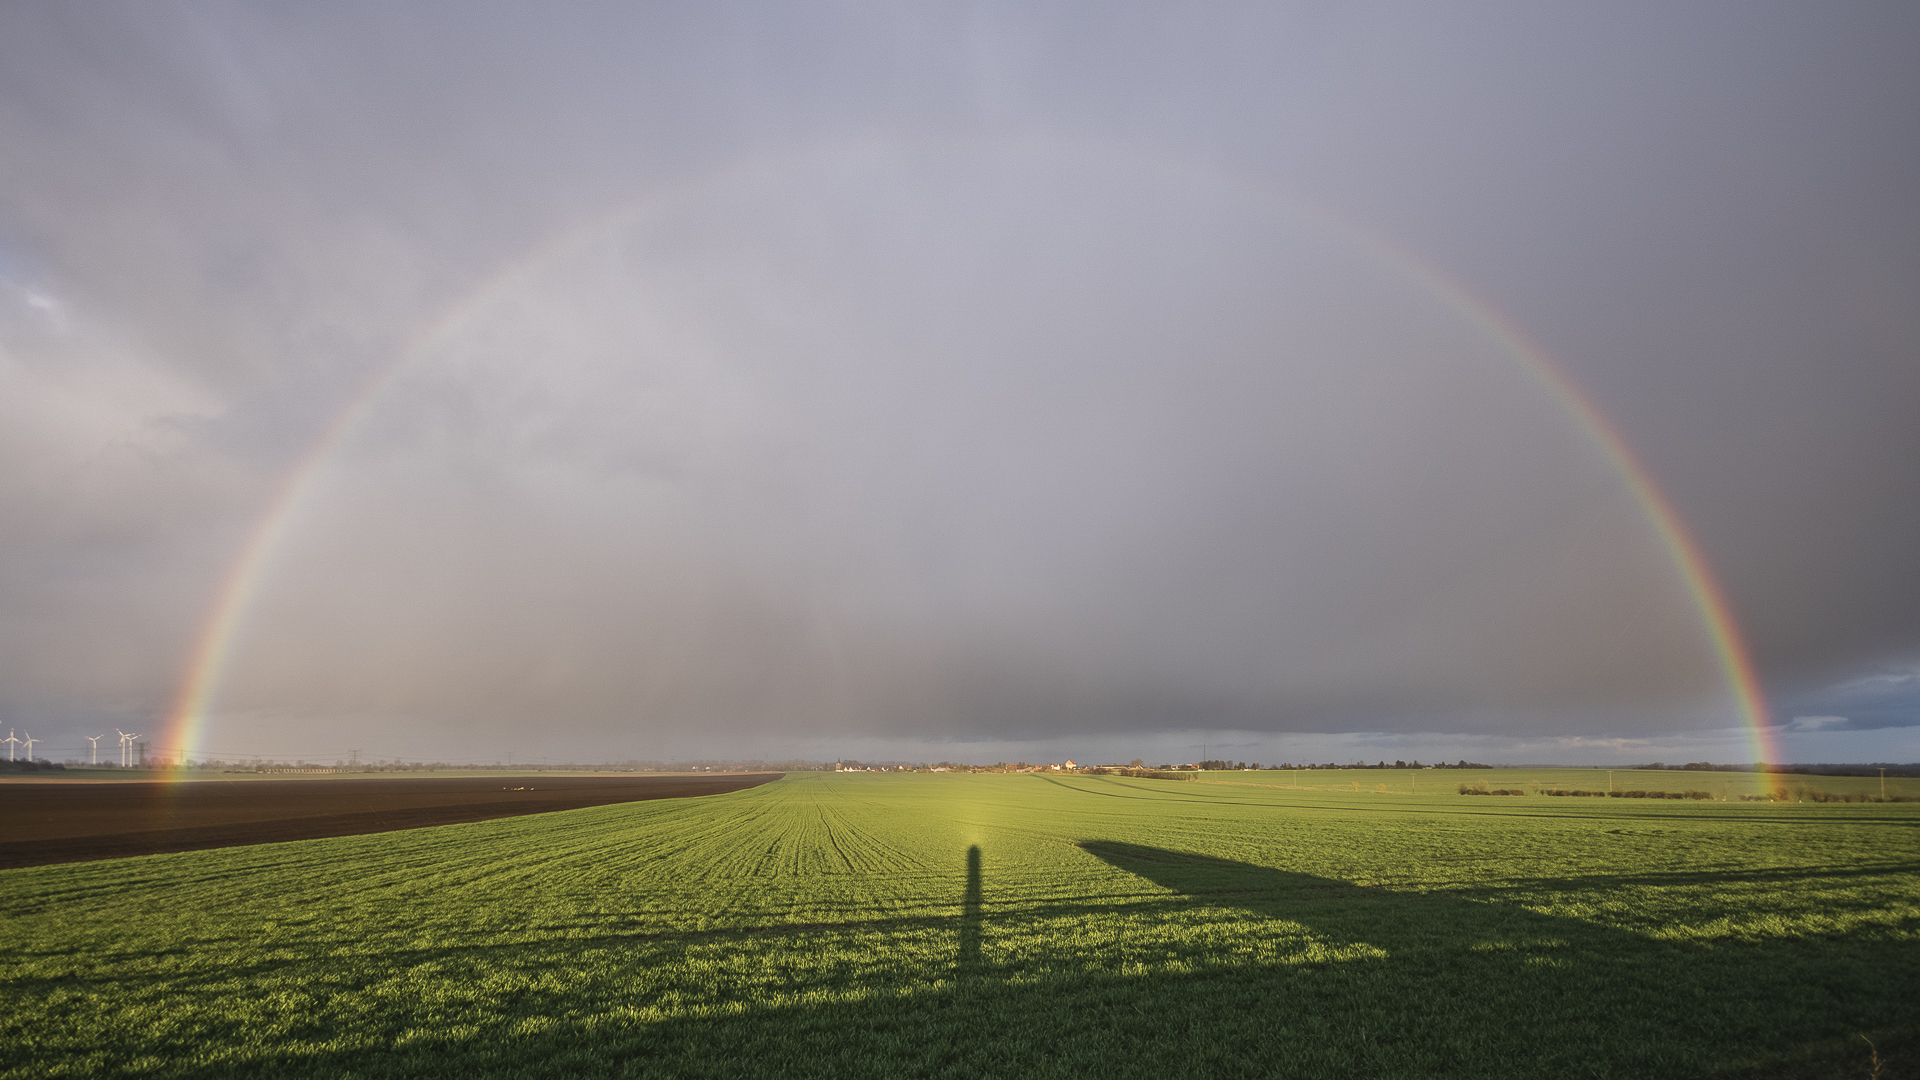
(30, 740)
(126, 748)
(10, 741)
(95, 740)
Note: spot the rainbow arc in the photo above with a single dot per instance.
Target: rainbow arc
(186, 722)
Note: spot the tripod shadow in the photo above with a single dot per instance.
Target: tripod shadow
(1530, 985)
(1398, 927)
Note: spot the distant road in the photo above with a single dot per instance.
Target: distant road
(76, 822)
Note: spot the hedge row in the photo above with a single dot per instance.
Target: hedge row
(1580, 792)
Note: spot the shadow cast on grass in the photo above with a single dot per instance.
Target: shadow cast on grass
(1206, 979)
(968, 967)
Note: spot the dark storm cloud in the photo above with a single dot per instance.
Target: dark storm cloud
(1882, 699)
(967, 384)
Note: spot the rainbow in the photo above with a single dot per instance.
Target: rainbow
(1716, 616)
(185, 725)
(186, 720)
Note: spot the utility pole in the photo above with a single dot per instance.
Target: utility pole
(353, 758)
(1883, 785)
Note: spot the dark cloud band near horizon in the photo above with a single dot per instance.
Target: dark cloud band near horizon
(999, 409)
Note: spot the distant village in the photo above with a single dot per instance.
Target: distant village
(1136, 765)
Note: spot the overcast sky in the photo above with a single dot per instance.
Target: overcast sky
(964, 381)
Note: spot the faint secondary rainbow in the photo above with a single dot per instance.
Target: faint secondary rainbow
(185, 723)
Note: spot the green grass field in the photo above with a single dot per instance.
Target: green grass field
(956, 925)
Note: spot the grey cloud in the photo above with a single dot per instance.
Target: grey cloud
(966, 385)
(982, 436)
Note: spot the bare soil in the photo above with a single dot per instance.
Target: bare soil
(76, 822)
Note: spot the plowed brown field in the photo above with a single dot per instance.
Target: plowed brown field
(74, 822)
